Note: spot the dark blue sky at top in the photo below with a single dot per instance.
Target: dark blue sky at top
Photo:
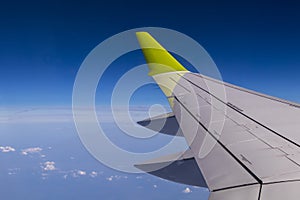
(255, 44)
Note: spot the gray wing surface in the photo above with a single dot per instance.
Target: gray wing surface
(246, 144)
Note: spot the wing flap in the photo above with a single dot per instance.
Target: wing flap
(180, 168)
(165, 123)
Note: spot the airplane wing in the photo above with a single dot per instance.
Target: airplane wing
(243, 144)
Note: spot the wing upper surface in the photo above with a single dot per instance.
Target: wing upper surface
(250, 148)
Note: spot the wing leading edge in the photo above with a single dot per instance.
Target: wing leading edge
(246, 144)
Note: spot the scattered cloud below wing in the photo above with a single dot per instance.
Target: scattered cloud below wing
(81, 173)
(77, 173)
(93, 174)
(31, 150)
(49, 166)
(116, 177)
(7, 149)
(187, 190)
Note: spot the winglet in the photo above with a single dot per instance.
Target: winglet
(158, 58)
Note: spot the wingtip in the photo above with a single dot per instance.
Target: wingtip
(158, 58)
(142, 33)
(147, 41)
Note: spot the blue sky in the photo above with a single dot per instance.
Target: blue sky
(255, 44)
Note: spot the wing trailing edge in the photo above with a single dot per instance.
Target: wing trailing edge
(180, 168)
(165, 124)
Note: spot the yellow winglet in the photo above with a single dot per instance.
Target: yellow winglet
(158, 58)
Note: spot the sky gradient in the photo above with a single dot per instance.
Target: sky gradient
(255, 44)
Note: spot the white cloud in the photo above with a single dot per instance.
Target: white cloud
(155, 186)
(7, 149)
(93, 174)
(81, 173)
(49, 166)
(73, 173)
(187, 190)
(31, 150)
(116, 177)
